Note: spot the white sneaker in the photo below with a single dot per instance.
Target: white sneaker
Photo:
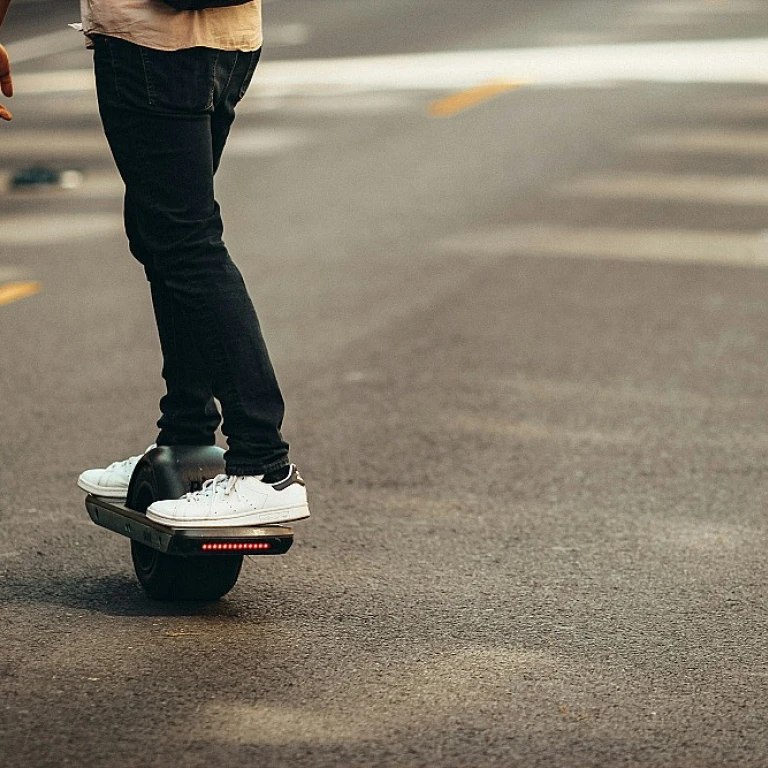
(234, 501)
(112, 481)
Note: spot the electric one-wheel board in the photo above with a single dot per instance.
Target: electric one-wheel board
(182, 563)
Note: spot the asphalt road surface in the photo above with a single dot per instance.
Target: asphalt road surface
(510, 259)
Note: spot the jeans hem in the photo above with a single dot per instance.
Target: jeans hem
(182, 441)
(256, 469)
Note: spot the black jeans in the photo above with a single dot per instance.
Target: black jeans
(166, 116)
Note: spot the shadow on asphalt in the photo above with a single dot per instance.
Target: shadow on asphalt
(112, 595)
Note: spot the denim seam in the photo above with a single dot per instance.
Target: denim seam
(147, 79)
(112, 64)
(212, 95)
(174, 337)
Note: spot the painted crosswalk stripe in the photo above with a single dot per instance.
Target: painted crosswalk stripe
(671, 246)
(732, 190)
(10, 292)
(707, 140)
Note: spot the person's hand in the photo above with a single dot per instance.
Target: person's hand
(6, 83)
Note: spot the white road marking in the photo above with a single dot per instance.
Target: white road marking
(40, 110)
(733, 190)
(703, 61)
(714, 140)
(285, 36)
(264, 141)
(670, 246)
(35, 229)
(720, 61)
(40, 46)
(90, 143)
(56, 81)
(691, 8)
(330, 102)
(372, 103)
(9, 273)
(33, 144)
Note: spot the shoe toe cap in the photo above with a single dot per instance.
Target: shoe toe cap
(94, 478)
(169, 510)
(102, 481)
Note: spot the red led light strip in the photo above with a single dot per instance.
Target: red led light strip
(248, 547)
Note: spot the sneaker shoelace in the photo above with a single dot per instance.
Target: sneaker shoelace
(124, 464)
(225, 483)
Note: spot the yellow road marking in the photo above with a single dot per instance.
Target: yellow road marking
(14, 291)
(463, 100)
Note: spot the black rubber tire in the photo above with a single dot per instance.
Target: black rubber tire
(170, 577)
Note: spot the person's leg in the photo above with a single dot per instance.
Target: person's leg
(188, 411)
(189, 415)
(233, 74)
(157, 112)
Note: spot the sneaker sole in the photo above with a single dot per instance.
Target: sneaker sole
(110, 492)
(251, 519)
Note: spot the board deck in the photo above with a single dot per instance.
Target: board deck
(185, 542)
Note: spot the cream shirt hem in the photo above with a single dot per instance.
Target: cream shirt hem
(153, 24)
